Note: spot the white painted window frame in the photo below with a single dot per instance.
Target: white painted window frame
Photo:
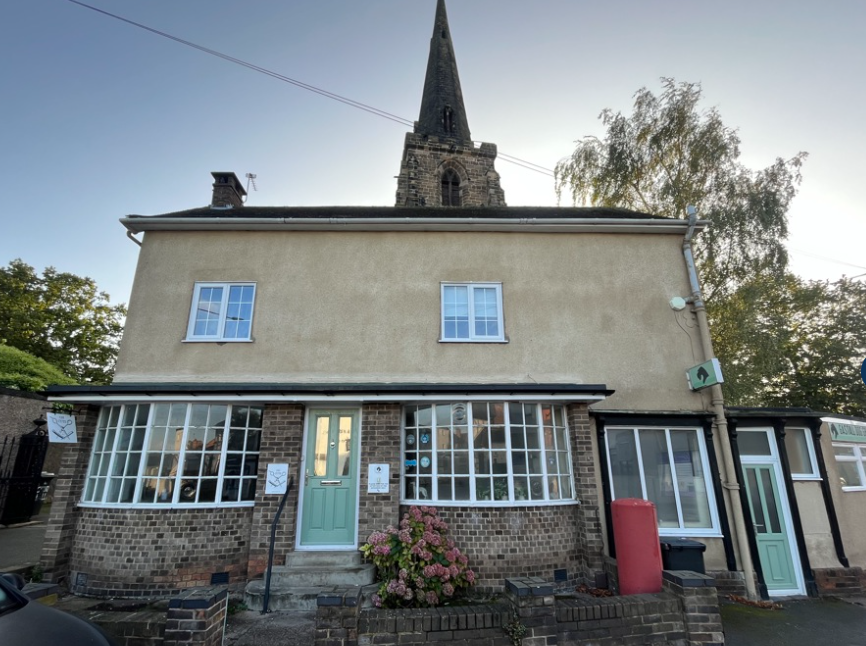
(810, 449)
(513, 500)
(140, 476)
(220, 337)
(682, 531)
(859, 458)
(472, 338)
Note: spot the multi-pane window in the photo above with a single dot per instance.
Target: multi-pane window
(221, 312)
(174, 453)
(668, 467)
(504, 452)
(801, 454)
(851, 465)
(472, 312)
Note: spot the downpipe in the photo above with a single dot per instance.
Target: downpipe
(731, 482)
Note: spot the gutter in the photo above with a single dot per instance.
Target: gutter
(717, 407)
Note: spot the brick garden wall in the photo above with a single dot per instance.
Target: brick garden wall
(129, 553)
(840, 581)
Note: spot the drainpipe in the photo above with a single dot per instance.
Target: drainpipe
(718, 410)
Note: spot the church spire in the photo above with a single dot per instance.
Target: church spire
(442, 111)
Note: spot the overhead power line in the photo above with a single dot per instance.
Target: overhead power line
(305, 86)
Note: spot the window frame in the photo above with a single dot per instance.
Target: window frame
(715, 529)
(94, 495)
(810, 450)
(471, 288)
(859, 458)
(514, 489)
(192, 337)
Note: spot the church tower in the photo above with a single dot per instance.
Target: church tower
(441, 165)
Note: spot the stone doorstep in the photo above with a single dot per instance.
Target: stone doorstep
(282, 596)
(308, 576)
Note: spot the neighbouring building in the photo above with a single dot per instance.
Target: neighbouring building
(516, 367)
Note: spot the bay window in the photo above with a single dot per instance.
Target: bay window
(486, 452)
(174, 454)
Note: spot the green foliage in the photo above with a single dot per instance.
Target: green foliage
(61, 318)
(515, 629)
(789, 342)
(669, 154)
(22, 371)
(418, 565)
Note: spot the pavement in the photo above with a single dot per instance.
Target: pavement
(800, 622)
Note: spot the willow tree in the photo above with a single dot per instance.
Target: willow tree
(670, 153)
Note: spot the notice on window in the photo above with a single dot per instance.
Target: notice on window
(377, 479)
(61, 429)
(277, 479)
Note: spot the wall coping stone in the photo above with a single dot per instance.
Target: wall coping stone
(197, 598)
(340, 596)
(529, 586)
(688, 579)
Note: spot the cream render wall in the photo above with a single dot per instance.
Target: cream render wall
(850, 507)
(365, 307)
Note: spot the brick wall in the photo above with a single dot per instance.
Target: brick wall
(380, 444)
(587, 487)
(840, 581)
(282, 442)
(129, 553)
(17, 412)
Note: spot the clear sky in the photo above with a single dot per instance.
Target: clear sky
(101, 119)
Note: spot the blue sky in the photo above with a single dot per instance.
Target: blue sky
(101, 119)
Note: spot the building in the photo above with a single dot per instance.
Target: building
(518, 368)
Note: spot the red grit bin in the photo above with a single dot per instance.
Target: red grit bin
(638, 554)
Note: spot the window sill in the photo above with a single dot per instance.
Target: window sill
(847, 489)
(690, 533)
(152, 506)
(805, 478)
(500, 504)
(473, 340)
(216, 341)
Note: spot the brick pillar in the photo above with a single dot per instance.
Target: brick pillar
(583, 455)
(197, 616)
(700, 601)
(337, 617)
(380, 444)
(535, 607)
(68, 488)
(282, 441)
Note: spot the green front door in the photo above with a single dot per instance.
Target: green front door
(771, 533)
(330, 480)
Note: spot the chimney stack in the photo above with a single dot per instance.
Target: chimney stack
(227, 191)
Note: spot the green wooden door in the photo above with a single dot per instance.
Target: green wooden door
(331, 480)
(771, 534)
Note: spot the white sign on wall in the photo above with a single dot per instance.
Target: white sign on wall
(377, 478)
(61, 429)
(277, 479)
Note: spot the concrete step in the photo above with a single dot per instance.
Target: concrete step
(309, 576)
(282, 597)
(333, 560)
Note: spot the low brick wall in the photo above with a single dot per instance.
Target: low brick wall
(197, 617)
(135, 553)
(685, 613)
(840, 581)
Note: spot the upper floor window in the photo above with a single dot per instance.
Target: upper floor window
(221, 312)
(472, 312)
(174, 454)
(450, 188)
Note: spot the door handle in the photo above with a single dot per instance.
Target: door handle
(307, 478)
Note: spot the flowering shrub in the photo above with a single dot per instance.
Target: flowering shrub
(417, 564)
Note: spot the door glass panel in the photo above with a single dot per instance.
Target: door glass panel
(345, 445)
(758, 519)
(753, 443)
(770, 496)
(657, 476)
(320, 460)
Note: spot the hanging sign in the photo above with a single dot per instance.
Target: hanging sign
(61, 429)
(705, 375)
(377, 478)
(277, 479)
